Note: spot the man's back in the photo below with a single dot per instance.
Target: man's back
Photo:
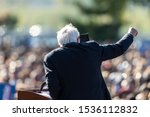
(78, 69)
(73, 70)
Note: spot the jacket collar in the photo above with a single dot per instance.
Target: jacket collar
(70, 44)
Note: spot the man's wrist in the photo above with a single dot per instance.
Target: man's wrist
(131, 34)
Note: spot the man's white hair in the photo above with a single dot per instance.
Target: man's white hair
(67, 34)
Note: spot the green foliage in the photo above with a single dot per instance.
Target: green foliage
(95, 12)
(103, 17)
(141, 2)
(8, 20)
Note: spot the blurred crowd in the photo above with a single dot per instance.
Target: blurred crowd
(21, 68)
(128, 76)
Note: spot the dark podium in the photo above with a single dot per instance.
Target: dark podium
(34, 94)
(30, 95)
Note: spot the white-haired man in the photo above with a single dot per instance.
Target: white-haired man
(73, 70)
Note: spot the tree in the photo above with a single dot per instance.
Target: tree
(141, 2)
(8, 20)
(103, 18)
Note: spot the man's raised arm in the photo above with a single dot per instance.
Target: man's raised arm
(111, 51)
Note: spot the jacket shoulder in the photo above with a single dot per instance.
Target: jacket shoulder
(51, 54)
(93, 44)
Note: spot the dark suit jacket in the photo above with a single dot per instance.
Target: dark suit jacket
(73, 71)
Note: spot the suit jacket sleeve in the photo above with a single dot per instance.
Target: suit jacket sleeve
(52, 79)
(111, 51)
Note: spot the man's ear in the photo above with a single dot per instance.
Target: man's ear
(78, 40)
